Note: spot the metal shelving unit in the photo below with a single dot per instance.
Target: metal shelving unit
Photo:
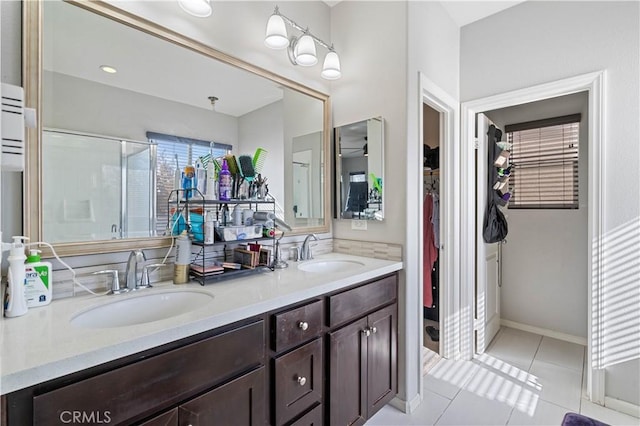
(206, 254)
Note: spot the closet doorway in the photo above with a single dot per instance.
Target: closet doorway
(432, 141)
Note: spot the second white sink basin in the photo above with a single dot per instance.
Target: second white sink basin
(141, 308)
(330, 265)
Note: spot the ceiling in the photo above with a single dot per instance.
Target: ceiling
(465, 12)
(77, 43)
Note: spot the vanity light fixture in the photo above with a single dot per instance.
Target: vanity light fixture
(108, 69)
(197, 8)
(301, 50)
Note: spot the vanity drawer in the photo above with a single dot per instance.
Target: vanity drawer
(142, 388)
(296, 326)
(312, 418)
(298, 381)
(354, 303)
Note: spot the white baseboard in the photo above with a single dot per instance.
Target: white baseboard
(622, 406)
(406, 406)
(545, 332)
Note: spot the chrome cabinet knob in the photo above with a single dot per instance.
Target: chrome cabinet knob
(303, 325)
(374, 330)
(301, 380)
(366, 332)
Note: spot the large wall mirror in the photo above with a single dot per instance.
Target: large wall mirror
(94, 177)
(360, 170)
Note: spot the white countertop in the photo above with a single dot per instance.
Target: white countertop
(43, 344)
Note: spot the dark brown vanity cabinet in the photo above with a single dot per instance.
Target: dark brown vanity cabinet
(327, 360)
(216, 375)
(362, 355)
(298, 374)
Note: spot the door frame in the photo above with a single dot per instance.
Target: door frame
(449, 109)
(594, 84)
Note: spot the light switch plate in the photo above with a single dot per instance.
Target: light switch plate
(359, 225)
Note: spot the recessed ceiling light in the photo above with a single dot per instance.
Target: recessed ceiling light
(108, 69)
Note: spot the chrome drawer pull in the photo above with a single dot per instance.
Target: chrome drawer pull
(301, 380)
(303, 325)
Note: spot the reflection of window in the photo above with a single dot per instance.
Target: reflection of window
(358, 188)
(544, 156)
(187, 151)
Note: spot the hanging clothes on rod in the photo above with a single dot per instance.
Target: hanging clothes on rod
(430, 251)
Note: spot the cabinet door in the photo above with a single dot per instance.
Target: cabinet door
(382, 371)
(298, 381)
(347, 374)
(170, 418)
(239, 402)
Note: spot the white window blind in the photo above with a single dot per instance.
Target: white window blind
(187, 150)
(544, 160)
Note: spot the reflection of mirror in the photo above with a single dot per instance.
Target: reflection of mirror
(360, 169)
(150, 93)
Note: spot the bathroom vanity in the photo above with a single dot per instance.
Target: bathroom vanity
(286, 347)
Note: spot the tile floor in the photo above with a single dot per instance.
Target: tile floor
(522, 379)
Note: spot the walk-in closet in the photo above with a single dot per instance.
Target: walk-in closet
(431, 227)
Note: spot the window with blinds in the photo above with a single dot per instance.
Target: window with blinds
(187, 151)
(544, 160)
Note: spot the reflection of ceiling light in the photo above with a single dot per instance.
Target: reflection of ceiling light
(198, 8)
(301, 50)
(108, 69)
(213, 100)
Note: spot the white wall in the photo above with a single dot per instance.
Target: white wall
(538, 42)
(373, 56)
(544, 267)
(264, 128)
(433, 50)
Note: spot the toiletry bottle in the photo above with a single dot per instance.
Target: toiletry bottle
(183, 259)
(38, 280)
(237, 215)
(16, 303)
(188, 181)
(212, 184)
(201, 178)
(224, 182)
(209, 228)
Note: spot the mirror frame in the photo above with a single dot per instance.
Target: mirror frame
(32, 81)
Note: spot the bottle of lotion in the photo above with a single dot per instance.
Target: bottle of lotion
(16, 303)
(38, 280)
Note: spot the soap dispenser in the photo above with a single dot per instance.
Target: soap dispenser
(16, 303)
(38, 280)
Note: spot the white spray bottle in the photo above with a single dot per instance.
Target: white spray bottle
(15, 303)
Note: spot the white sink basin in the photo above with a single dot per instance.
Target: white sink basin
(141, 308)
(330, 265)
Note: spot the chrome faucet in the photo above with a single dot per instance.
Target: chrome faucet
(305, 250)
(136, 257)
